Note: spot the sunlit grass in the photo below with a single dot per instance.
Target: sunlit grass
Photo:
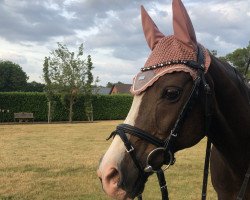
(59, 161)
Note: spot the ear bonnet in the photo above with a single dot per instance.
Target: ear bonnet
(169, 53)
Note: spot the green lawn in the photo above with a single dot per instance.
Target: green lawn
(59, 161)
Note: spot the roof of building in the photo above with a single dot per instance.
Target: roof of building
(122, 88)
(101, 90)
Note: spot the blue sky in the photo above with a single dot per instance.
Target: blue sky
(111, 31)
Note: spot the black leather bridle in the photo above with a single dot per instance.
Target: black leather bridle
(166, 147)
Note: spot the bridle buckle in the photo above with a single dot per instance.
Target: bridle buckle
(172, 133)
(130, 150)
(164, 186)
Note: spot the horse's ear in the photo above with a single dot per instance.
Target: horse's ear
(183, 28)
(151, 31)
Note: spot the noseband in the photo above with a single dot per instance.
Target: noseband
(166, 146)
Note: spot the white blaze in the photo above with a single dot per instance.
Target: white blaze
(116, 151)
(134, 110)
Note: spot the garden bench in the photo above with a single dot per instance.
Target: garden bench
(23, 116)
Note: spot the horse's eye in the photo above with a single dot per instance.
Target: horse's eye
(172, 94)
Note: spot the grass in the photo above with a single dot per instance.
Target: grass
(59, 161)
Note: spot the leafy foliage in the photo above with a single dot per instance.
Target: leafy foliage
(110, 84)
(111, 106)
(240, 58)
(105, 107)
(88, 90)
(23, 102)
(67, 73)
(12, 77)
(34, 87)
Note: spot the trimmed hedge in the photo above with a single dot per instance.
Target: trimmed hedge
(105, 107)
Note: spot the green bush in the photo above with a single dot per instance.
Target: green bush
(23, 102)
(105, 107)
(111, 106)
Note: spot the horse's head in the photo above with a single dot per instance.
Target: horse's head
(164, 91)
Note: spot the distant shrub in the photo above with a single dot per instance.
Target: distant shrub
(105, 107)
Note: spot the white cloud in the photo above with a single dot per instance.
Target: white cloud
(111, 31)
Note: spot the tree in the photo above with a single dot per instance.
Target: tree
(12, 77)
(48, 89)
(214, 52)
(110, 84)
(66, 72)
(240, 59)
(34, 87)
(88, 90)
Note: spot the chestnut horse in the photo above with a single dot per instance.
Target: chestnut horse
(161, 92)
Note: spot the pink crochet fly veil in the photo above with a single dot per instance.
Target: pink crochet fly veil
(169, 53)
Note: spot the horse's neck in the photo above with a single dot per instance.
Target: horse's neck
(230, 126)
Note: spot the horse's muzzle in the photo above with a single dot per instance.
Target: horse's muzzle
(110, 180)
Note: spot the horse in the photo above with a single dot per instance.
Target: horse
(181, 95)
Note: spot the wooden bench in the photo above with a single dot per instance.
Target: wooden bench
(23, 117)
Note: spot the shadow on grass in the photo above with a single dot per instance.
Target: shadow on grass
(7, 197)
(48, 171)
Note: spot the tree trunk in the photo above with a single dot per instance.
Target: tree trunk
(247, 67)
(92, 113)
(49, 112)
(71, 102)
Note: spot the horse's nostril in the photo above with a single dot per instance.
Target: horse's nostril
(99, 174)
(113, 176)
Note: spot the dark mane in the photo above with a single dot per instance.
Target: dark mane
(235, 76)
